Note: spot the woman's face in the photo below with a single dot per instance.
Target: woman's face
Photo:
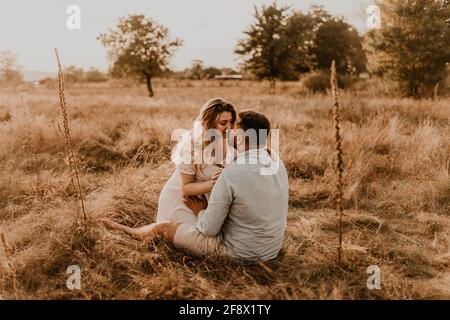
(225, 122)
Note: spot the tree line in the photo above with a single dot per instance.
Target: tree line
(282, 44)
(411, 47)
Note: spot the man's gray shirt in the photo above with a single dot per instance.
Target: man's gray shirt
(248, 206)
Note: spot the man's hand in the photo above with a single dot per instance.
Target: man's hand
(195, 203)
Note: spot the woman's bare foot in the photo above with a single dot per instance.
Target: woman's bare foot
(110, 224)
(141, 233)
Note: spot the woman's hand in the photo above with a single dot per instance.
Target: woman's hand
(214, 178)
(216, 175)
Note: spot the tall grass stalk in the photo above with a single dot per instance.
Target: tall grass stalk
(339, 161)
(10, 264)
(73, 164)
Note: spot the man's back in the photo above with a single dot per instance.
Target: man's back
(258, 204)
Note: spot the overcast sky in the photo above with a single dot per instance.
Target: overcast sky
(209, 28)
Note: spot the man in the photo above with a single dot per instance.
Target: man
(247, 210)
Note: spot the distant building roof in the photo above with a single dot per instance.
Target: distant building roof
(229, 77)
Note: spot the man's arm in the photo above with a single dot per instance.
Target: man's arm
(211, 220)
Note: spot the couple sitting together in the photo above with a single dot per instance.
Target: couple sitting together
(231, 203)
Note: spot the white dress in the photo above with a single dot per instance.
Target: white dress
(170, 203)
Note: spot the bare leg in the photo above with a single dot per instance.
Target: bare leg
(141, 233)
(165, 229)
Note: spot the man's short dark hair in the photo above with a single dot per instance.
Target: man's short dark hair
(251, 119)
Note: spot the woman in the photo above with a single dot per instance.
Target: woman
(199, 157)
(198, 160)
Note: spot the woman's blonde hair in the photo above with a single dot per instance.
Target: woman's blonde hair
(211, 110)
(206, 119)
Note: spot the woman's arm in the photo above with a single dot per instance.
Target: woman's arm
(191, 188)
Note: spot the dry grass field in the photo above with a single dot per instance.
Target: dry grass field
(396, 178)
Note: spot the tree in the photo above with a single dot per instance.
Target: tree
(229, 71)
(9, 69)
(94, 75)
(337, 40)
(299, 39)
(282, 45)
(413, 43)
(73, 74)
(211, 72)
(264, 49)
(140, 48)
(197, 72)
